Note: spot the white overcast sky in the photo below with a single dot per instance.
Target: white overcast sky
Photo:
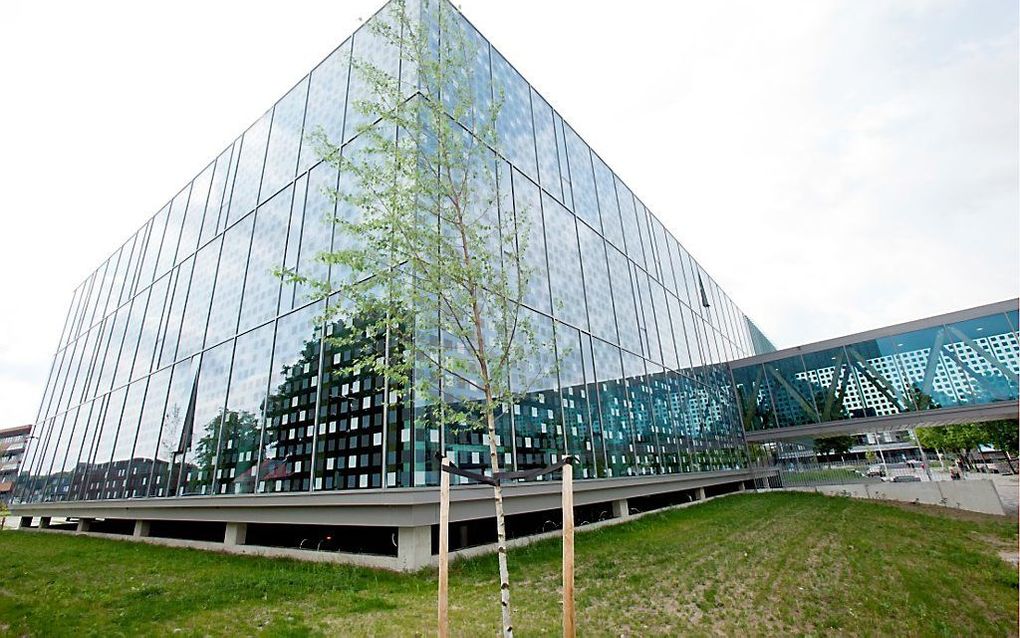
(836, 165)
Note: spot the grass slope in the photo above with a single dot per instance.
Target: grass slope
(781, 564)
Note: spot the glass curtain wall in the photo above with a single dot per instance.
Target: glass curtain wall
(185, 368)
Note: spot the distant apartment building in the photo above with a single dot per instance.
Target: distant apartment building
(12, 447)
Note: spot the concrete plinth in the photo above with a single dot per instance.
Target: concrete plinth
(84, 524)
(235, 533)
(414, 547)
(141, 529)
(621, 509)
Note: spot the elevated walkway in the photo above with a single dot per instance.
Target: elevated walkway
(957, 367)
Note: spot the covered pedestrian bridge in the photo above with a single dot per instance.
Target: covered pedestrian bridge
(958, 367)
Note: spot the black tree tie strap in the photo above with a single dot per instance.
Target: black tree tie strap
(502, 477)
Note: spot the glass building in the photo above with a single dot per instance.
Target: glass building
(190, 383)
(185, 367)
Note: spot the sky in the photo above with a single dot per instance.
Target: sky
(835, 165)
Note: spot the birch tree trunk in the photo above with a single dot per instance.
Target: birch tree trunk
(497, 492)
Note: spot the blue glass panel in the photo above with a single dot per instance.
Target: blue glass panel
(202, 423)
(629, 217)
(180, 279)
(615, 416)
(285, 459)
(981, 358)
(148, 341)
(605, 183)
(676, 322)
(545, 141)
(143, 459)
(284, 141)
(90, 418)
(662, 325)
(538, 429)
(623, 301)
(597, 290)
(646, 308)
(119, 480)
(94, 486)
(371, 49)
(327, 100)
(290, 261)
(261, 297)
(645, 439)
(791, 392)
(574, 399)
(226, 298)
(833, 385)
(514, 124)
(157, 229)
(586, 203)
(60, 471)
(168, 254)
(195, 216)
(173, 437)
(125, 363)
(217, 188)
(316, 229)
(565, 266)
(239, 444)
(528, 208)
(193, 328)
(245, 191)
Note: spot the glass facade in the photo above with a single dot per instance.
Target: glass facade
(972, 362)
(186, 367)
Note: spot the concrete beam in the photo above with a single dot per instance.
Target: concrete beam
(892, 422)
(414, 547)
(391, 507)
(235, 533)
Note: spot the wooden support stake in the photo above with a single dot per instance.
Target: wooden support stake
(568, 551)
(444, 550)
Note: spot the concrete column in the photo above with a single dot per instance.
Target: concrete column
(24, 521)
(84, 524)
(235, 533)
(414, 547)
(463, 536)
(701, 494)
(141, 528)
(621, 509)
(742, 487)
(44, 522)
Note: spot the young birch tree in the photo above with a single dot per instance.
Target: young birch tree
(428, 265)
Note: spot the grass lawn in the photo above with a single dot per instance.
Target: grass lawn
(784, 564)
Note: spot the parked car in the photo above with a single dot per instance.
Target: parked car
(906, 478)
(875, 470)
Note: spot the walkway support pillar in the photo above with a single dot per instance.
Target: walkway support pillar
(621, 509)
(235, 533)
(414, 547)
